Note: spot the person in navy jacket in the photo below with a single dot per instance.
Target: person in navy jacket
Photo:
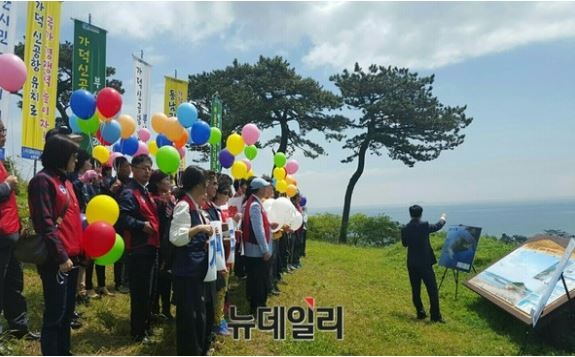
(420, 261)
(141, 226)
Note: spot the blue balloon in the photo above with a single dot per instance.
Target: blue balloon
(111, 131)
(161, 140)
(83, 104)
(117, 147)
(73, 121)
(187, 114)
(200, 132)
(129, 145)
(302, 201)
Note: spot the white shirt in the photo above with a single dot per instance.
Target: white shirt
(181, 223)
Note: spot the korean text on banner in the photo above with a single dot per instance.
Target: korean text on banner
(89, 61)
(216, 114)
(142, 75)
(7, 34)
(175, 93)
(41, 58)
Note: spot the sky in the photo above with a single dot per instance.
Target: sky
(510, 63)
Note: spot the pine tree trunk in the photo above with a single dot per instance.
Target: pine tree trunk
(349, 191)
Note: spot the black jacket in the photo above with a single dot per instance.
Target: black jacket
(415, 236)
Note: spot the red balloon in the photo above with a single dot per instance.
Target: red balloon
(109, 102)
(99, 238)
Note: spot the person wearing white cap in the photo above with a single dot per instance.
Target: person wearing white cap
(257, 234)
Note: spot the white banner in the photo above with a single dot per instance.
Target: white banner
(142, 81)
(232, 256)
(7, 35)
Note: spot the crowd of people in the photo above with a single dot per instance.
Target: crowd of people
(166, 229)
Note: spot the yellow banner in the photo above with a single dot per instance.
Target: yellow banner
(41, 57)
(175, 93)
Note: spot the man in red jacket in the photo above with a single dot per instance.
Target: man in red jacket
(12, 302)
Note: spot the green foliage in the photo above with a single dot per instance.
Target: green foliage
(269, 94)
(365, 231)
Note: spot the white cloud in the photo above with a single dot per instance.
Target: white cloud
(417, 35)
(190, 21)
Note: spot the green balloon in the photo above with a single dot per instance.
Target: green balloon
(168, 159)
(215, 136)
(89, 126)
(251, 151)
(114, 254)
(280, 159)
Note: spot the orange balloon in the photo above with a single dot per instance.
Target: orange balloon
(128, 125)
(173, 129)
(291, 190)
(182, 140)
(291, 180)
(159, 122)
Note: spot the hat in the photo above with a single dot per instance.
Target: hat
(258, 183)
(64, 130)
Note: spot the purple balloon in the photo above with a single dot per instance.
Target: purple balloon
(226, 159)
(302, 201)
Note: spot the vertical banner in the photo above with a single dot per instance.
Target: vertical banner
(41, 58)
(89, 60)
(7, 35)
(216, 121)
(142, 76)
(175, 93)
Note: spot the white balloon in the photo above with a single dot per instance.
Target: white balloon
(296, 221)
(268, 204)
(282, 211)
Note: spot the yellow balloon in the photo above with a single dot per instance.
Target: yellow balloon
(239, 170)
(173, 129)
(249, 174)
(235, 144)
(279, 173)
(281, 186)
(152, 147)
(159, 122)
(101, 153)
(128, 125)
(102, 208)
(291, 190)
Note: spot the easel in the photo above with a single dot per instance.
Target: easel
(455, 278)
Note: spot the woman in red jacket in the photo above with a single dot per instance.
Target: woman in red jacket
(55, 213)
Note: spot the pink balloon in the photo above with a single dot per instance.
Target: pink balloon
(12, 72)
(142, 149)
(144, 134)
(113, 157)
(292, 166)
(182, 152)
(250, 134)
(248, 163)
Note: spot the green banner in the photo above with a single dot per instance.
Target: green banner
(216, 121)
(89, 61)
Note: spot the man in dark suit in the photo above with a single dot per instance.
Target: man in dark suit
(420, 260)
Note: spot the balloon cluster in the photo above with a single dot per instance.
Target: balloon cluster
(237, 144)
(283, 173)
(283, 212)
(100, 239)
(175, 132)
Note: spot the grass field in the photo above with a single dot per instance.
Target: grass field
(372, 286)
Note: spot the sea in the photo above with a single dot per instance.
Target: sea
(512, 218)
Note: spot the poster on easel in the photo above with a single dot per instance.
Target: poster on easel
(460, 247)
